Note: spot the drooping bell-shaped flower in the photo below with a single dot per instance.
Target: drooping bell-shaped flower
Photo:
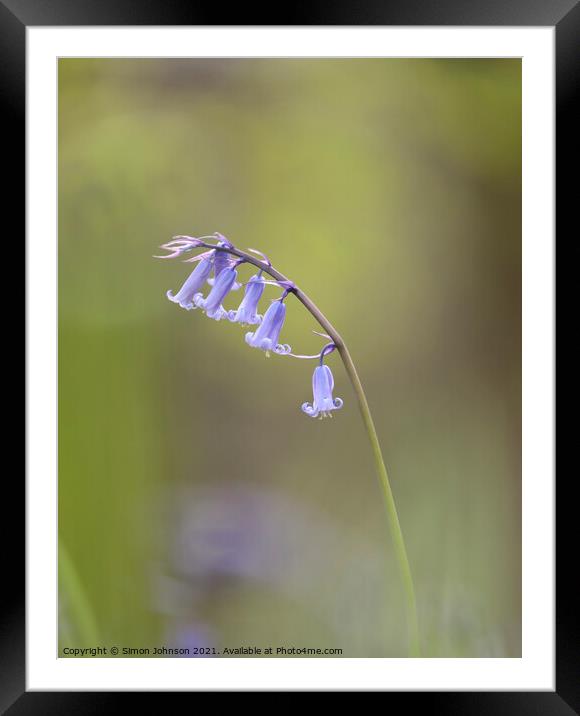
(322, 386)
(222, 261)
(265, 337)
(212, 305)
(193, 284)
(247, 311)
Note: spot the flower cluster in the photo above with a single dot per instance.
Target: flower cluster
(217, 267)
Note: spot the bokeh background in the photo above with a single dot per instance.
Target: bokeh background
(198, 506)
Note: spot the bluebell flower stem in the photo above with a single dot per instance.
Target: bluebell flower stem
(385, 485)
(389, 500)
(384, 482)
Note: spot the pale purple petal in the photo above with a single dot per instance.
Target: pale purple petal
(247, 311)
(212, 305)
(193, 284)
(266, 335)
(322, 385)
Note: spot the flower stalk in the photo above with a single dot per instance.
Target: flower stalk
(182, 244)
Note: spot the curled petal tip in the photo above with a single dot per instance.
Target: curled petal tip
(175, 299)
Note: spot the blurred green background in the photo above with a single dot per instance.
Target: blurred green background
(198, 506)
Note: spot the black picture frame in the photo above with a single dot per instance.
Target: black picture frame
(564, 15)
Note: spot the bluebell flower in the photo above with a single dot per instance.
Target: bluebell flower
(266, 335)
(212, 305)
(247, 311)
(193, 284)
(323, 402)
(222, 261)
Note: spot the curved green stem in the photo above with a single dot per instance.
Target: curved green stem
(385, 485)
(394, 524)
